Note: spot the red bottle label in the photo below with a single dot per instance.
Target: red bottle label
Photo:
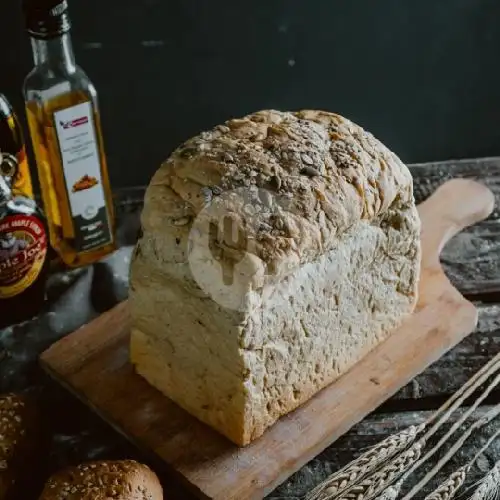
(23, 248)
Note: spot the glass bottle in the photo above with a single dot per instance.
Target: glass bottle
(24, 262)
(65, 127)
(14, 168)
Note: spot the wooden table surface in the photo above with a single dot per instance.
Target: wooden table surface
(471, 260)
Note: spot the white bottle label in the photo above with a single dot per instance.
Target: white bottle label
(82, 172)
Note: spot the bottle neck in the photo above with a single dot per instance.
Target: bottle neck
(56, 51)
(5, 192)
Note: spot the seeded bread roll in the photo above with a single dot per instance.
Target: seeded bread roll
(20, 439)
(277, 251)
(117, 480)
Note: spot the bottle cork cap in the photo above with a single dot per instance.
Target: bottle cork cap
(46, 18)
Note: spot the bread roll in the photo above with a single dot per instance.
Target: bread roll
(277, 251)
(20, 440)
(120, 480)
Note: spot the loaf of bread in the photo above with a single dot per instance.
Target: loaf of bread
(20, 441)
(120, 480)
(277, 250)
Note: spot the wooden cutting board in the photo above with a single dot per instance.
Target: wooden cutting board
(93, 364)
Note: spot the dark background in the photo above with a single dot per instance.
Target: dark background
(423, 76)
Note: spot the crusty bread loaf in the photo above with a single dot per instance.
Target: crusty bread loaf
(20, 440)
(117, 480)
(277, 250)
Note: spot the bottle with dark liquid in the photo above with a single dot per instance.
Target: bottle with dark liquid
(65, 128)
(23, 256)
(14, 168)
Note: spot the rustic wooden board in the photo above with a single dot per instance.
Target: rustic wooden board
(453, 369)
(472, 259)
(93, 364)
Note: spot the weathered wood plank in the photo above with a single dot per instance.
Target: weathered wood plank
(454, 368)
(471, 259)
(428, 176)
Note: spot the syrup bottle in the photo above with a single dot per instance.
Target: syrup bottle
(65, 127)
(23, 256)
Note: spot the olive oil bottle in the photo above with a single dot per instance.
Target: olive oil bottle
(65, 128)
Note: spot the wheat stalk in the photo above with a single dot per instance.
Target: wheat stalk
(493, 413)
(396, 488)
(489, 486)
(381, 453)
(393, 491)
(449, 488)
(450, 432)
(374, 485)
(390, 493)
(366, 463)
(456, 400)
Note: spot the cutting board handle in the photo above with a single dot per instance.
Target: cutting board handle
(455, 205)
